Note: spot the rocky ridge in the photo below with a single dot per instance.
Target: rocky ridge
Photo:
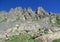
(36, 23)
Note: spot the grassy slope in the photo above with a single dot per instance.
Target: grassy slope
(56, 40)
(21, 38)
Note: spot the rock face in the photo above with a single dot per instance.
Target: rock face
(36, 23)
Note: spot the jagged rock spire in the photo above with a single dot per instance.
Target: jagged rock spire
(19, 9)
(29, 10)
(11, 10)
(27, 14)
(41, 11)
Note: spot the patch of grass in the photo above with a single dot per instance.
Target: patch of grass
(57, 20)
(3, 20)
(56, 40)
(21, 38)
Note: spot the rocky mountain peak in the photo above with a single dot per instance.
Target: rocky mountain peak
(38, 23)
(28, 14)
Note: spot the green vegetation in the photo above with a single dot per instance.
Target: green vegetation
(21, 38)
(50, 19)
(56, 40)
(57, 20)
(3, 20)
